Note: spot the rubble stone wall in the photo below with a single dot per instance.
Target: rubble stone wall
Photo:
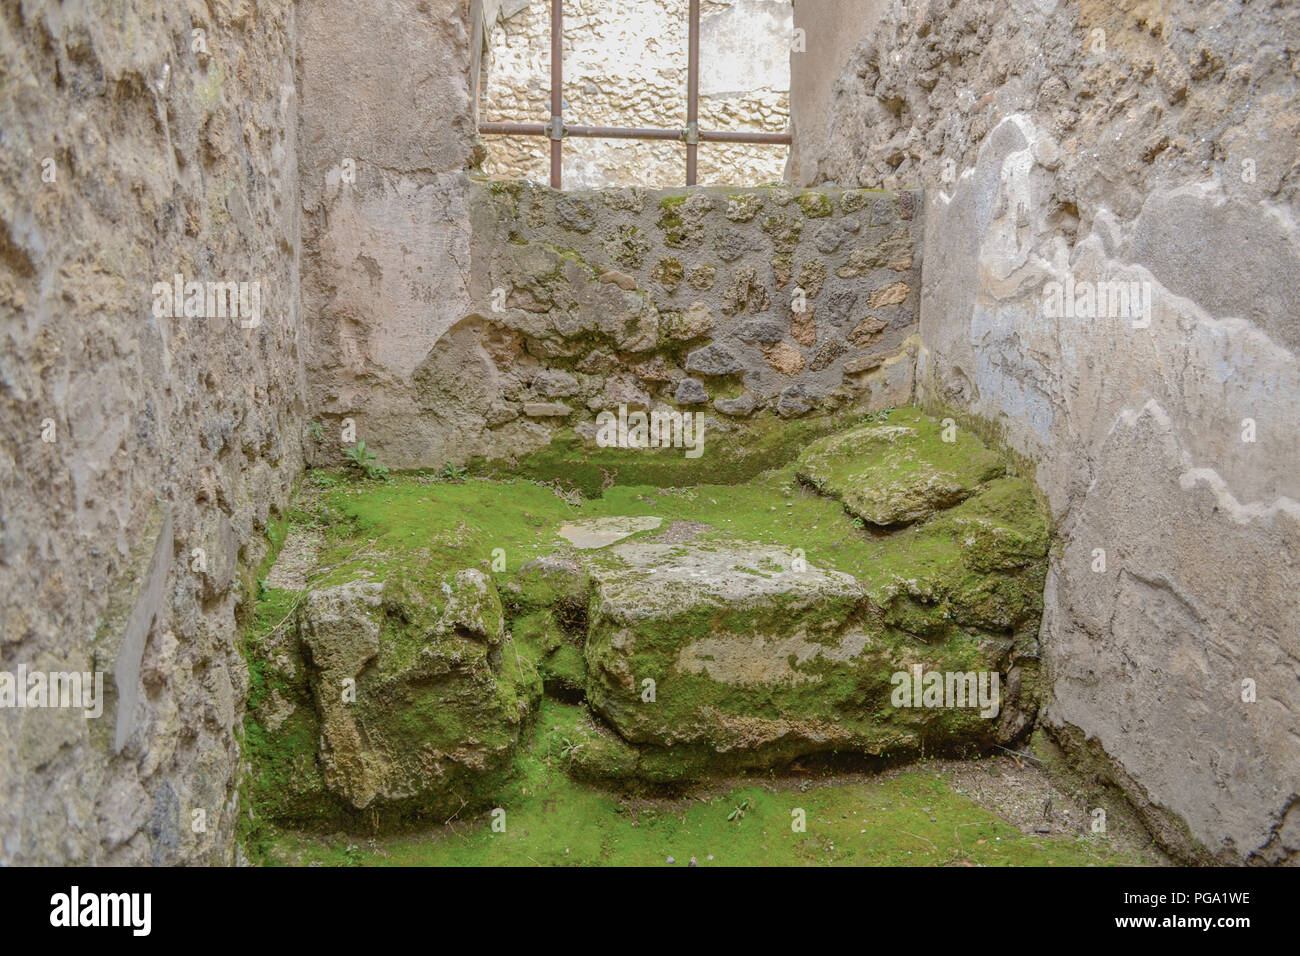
(738, 303)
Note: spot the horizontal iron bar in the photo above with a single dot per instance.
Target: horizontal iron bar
(513, 129)
(759, 139)
(610, 132)
(613, 132)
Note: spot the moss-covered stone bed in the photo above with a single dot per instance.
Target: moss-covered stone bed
(430, 648)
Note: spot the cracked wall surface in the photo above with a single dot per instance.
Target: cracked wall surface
(141, 455)
(1154, 143)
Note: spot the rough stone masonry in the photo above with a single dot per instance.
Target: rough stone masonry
(140, 457)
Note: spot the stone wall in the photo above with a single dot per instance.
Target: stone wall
(832, 30)
(141, 455)
(1082, 142)
(385, 198)
(585, 301)
(403, 251)
(625, 65)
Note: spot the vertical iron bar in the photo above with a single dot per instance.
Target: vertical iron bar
(557, 88)
(692, 90)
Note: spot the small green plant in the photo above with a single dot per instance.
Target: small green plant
(366, 461)
(562, 742)
(452, 473)
(738, 812)
(323, 479)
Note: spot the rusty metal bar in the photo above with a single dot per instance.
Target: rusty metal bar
(557, 90)
(513, 129)
(619, 132)
(761, 139)
(612, 132)
(692, 91)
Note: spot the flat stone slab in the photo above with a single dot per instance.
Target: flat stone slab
(602, 532)
(652, 577)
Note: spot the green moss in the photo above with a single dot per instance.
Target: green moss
(844, 704)
(915, 818)
(413, 524)
(970, 574)
(284, 782)
(439, 687)
(553, 653)
(566, 670)
(674, 237)
(271, 610)
(285, 785)
(555, 275)
(583, 748)
(784, 232)
(816, 205)
(992, 434)
(731, 458)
